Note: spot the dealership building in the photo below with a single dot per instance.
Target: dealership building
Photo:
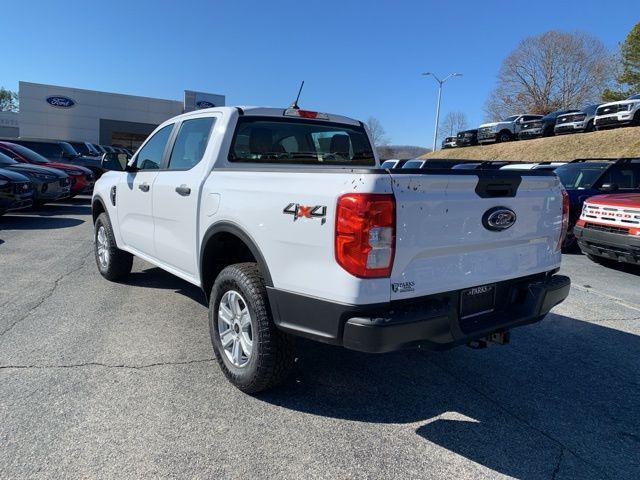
(67, 113)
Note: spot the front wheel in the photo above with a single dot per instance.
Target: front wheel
(590, 127)
(503, 137)
(114, 264)
(252, 353)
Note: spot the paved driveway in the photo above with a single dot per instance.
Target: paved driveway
(117, 380)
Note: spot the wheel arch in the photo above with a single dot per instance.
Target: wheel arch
(225, 243)
(97, 207)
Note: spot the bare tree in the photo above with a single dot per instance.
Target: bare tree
(377, 132)
(452, 123)
(551, 71)
(8, 101)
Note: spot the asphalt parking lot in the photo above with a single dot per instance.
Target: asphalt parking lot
(117, 380)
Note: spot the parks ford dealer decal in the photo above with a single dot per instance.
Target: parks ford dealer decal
(59, 101)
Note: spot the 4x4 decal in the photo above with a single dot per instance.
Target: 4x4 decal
(306, 211)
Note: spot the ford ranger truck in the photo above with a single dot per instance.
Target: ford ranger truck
(285, 220)
(609, 228)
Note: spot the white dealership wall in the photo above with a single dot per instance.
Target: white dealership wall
(9, 124)
(82, 120)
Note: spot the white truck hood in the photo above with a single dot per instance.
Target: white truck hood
(492, 124)
(619, 102)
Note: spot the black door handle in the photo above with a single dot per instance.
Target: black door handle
(183, 190)
(144, 187)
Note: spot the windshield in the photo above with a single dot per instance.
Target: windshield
(28, 154)
(512, 118)
(388, 164)
(634, 97)
(580, 175)
(413, 164)
(68, 149)
(275, 140)
(6, 161)
(82, 148)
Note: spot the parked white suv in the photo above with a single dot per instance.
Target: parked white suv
(504, 130)
(287, 223)
(617, 114)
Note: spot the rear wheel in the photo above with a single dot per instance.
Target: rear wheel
(114, 264)
(252, 353)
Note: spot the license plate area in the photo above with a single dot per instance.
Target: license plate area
(477, 301)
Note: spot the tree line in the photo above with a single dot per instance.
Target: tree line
(560, 70)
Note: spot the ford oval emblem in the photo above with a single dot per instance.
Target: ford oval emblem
(59, 101)
(498, 218)
(204, 104)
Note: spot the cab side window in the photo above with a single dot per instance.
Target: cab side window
(150, 156)
(624, 176)
(190, 143)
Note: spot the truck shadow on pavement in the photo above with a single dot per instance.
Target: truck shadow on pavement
(154, 277)
(36, 222)
(562, 397)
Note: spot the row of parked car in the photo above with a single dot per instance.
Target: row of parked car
(527, 126)
(604, 200)
(35, 172)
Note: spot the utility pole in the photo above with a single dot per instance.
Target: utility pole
(440, 83)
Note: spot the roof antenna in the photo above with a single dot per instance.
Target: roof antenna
(294, 105)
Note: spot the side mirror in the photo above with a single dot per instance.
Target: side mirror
(114, 161)
(610, 187)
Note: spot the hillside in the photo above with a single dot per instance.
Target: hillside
(621, 142)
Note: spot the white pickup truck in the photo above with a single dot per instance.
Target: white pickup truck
(286, 221)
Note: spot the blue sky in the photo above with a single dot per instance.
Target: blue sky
(358, 58)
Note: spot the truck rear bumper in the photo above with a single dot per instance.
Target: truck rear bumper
(432, 322)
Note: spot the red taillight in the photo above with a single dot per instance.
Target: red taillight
(365, 234)
(565, 217)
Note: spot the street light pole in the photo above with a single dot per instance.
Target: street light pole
(440, 83)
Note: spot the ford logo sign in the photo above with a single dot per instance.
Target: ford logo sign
(60, 101)
(498, 218)
(204, 104)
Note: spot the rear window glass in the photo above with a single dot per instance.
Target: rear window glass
(273, 140)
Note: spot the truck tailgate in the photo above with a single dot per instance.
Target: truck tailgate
(442, 243)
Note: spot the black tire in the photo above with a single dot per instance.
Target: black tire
(570, 244)
(273, 352)
(118, 262)
(503, 137)
(636, 119)
(590, 127)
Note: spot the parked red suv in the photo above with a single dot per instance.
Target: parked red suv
(81, 178)
(609, 228)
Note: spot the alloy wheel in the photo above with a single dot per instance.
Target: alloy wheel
(103, 247)
(234, 328)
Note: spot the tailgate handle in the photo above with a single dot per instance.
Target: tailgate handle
(494, 187)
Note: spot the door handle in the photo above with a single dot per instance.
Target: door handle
(144, 187)
(183, 190)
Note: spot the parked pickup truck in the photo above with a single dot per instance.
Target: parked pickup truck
(609, 228)
(504, 130)
(285, 220)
